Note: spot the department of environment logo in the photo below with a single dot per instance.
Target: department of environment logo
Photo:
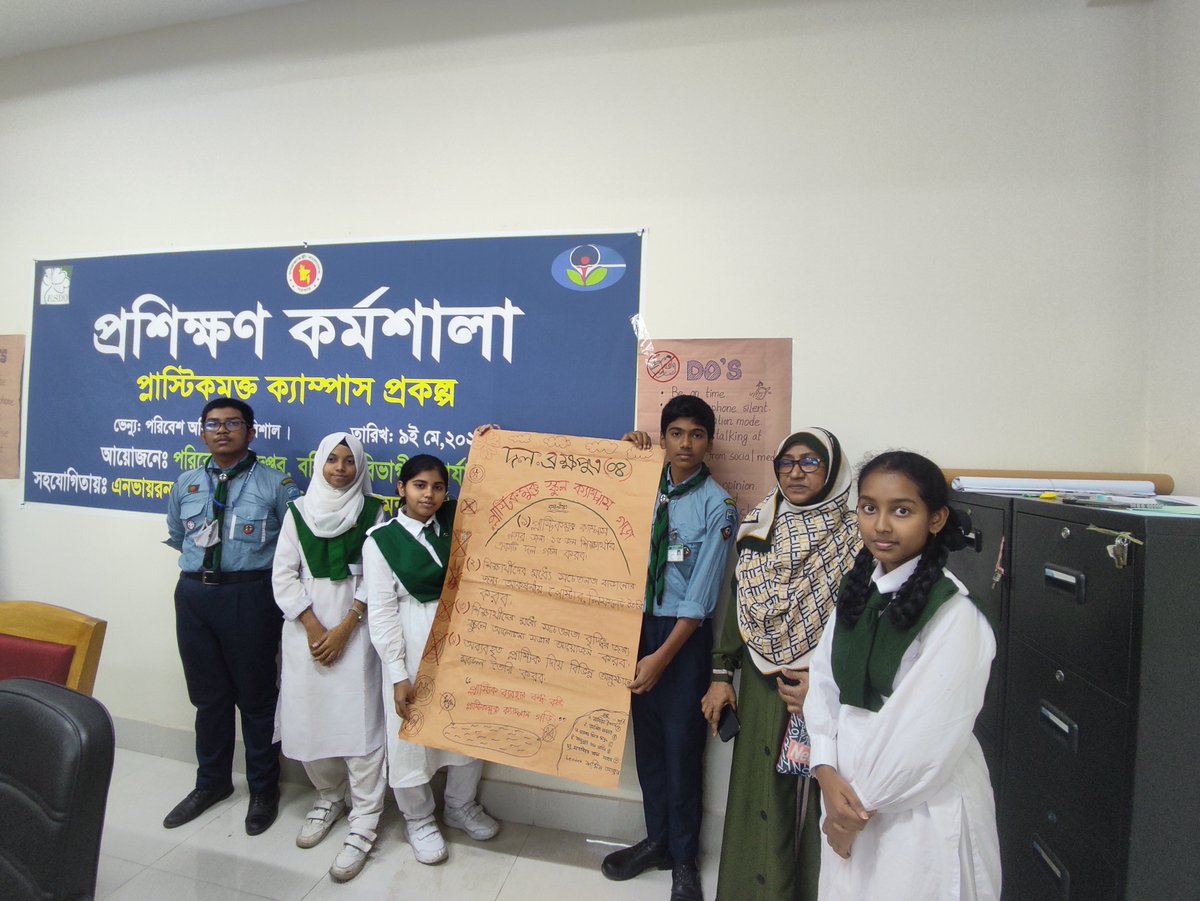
(304, 273)
(588, 267)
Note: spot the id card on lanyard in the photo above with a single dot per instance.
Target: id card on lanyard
(207, 535)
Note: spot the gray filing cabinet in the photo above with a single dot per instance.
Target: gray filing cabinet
(982, 566)
(1100, 749)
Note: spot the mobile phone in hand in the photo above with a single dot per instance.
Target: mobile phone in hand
(728, 725)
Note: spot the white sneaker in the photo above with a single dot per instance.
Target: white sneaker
(426, 840)
(353, 856)
(318, 822)
(473, 820)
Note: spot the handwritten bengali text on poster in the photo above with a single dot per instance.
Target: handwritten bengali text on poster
(536, 634)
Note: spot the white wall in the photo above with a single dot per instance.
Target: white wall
(1173, 421)
(947, 204)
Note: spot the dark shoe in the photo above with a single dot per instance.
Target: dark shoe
(630, 862)
(195, 804)
(685, 883)
(262, 812)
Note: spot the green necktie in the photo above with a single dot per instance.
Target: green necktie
(212, 554)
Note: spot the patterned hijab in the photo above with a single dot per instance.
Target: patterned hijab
(791, 560)
(330, 511)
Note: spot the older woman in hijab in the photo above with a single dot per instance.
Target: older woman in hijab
(793, 549)
(330, 713)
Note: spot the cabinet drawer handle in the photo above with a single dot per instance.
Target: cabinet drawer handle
(1059, 725)
(1051, 862)
(1071, 581)
(974, 538)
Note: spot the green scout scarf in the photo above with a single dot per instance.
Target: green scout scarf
(867, 654)
(410, 560)
(329, 558)
(212, 553)
(656, 573)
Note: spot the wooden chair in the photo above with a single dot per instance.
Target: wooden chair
(52, 643)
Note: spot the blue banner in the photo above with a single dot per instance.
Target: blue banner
(407, 344)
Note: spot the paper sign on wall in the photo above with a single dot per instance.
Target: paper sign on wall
(535, 639)
(12, 357)
(747, 382)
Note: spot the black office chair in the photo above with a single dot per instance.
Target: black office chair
(56, 760)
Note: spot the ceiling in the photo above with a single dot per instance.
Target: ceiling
(33, 25)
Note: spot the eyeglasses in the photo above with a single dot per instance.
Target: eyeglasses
(785, 465)
(229, 425)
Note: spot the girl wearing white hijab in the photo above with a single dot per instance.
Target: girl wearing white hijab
(330, 714)
(793, 549)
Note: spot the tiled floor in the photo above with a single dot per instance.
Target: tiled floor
(213, 859)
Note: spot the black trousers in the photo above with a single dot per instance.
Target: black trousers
(228, 641)
(669, 732)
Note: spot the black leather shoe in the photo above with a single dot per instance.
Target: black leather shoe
(685, 883)
(262, 812)
(195, 804)
(630, 862)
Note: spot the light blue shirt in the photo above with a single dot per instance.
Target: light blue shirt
(702, 523)
(256, 506)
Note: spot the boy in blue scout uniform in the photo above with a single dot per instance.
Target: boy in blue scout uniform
(224, 518)
(694, 520)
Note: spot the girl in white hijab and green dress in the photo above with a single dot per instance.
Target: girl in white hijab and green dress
(330, 714)
(793, 549)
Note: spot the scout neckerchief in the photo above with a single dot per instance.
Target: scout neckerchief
(791, 559)
(329, 558)
(220, 494)
(656, 574)
(421, 576)
(867, 654)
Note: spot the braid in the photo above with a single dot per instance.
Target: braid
(910, 600)
(856, 588)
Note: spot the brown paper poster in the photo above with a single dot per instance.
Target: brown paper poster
(12, 357)
(536, 634)
(747, 382)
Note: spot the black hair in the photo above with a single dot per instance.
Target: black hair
(240, 405)
(688, 406)
(414, 466)
(909, 601)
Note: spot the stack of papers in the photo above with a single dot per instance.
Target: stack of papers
(1062, 487)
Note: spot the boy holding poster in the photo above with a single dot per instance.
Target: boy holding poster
(694, 520)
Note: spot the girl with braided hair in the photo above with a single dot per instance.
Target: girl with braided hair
(896, 683)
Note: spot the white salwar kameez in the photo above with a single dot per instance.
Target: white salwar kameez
(915, 764)
(399, 626)
(328, 714)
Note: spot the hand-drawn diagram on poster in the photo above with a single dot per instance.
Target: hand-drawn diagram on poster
(12, 355)
(535, 639)
(747, 382)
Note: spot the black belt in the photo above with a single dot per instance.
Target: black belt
(227, 578)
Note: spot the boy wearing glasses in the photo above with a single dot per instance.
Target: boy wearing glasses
(694, 520)
(224, 518)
